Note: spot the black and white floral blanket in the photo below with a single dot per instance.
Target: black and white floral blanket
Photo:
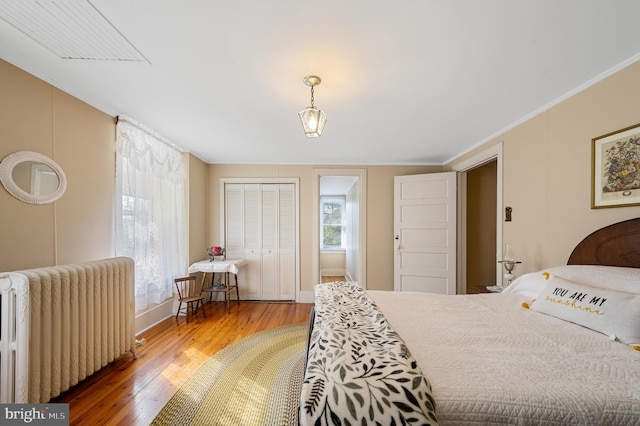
(359, 370)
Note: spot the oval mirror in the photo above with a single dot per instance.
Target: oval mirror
(32, 177)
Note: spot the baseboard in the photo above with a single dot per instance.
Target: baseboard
(155, 315)
(335, 272)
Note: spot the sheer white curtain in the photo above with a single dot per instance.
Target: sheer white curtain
(150, 210)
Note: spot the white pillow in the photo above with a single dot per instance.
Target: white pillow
(614, 313)
(611, 277)
(529, 285)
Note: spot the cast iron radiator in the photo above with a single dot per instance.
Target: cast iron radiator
(61, 324)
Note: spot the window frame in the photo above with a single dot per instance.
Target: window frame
(342, 200)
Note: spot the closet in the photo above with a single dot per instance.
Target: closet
(260, 226)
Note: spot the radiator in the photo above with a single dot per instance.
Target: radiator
(61, 324)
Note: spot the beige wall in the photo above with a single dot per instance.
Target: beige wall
(35, 116)
(379, 213)
(333, 260)
(197, 206)
(547, 170)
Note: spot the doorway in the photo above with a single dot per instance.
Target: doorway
(339, 228)
(353, 184)
(492, 154)
(481, 226)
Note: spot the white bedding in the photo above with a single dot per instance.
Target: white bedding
(497, 362)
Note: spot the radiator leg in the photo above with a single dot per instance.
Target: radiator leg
(134, 352)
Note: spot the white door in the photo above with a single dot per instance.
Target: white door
(261, 228)
(287, 243)
(425, 233)
(250, 216)
(270, 241)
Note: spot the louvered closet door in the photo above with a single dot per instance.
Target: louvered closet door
(287, 242)
(233, 221)
(270, 241)
(252, 242)
(260, 225)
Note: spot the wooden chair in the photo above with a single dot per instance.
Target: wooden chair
(190, 293)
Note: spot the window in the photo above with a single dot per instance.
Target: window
(332, 222)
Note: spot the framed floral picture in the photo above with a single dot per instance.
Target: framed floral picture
(616, 169)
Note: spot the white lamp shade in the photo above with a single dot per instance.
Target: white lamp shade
(313, 121)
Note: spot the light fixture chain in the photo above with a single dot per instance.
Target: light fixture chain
(312, 97)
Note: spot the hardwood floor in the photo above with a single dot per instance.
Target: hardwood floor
(329, 279)
(132, 392)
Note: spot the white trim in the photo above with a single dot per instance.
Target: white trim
(333, 272)
(151, 317)
(281, 180)
(491, 153)
(259, 180)
(362, 210)
(462, 233)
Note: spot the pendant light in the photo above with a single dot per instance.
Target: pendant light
(312, 118)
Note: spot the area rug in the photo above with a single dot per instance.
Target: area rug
(254, 381)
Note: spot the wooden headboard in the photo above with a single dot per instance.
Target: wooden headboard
(613, 245)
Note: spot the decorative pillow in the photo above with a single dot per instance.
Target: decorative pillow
(610, 277)
(614, 313)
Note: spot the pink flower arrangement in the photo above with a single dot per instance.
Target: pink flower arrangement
(215, 251)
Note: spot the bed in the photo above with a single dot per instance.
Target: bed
(558, 347)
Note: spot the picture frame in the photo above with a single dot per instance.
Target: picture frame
(615, 169)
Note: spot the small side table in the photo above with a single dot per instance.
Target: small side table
(220, 266)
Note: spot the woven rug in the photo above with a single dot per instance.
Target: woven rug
(254, 381)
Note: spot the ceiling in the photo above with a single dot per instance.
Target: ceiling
(403, 82)
(336, 185)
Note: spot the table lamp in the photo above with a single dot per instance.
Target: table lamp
(509, 262)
